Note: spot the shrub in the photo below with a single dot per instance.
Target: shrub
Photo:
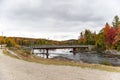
(105, 62)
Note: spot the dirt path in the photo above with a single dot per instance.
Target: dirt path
(14, 69)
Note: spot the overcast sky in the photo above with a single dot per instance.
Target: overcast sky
(55, 19)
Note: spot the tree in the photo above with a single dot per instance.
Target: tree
(81, 39)
(116, 22)
(11, 43)
(111, 35)
(100, 41)
(89, 37)
(106, 29)
(117, 38)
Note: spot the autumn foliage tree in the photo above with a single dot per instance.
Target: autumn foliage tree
(87, 37)
(105, 32)
(109, 34)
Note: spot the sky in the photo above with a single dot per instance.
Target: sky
(55, 19)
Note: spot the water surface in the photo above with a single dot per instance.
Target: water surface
(81, 56)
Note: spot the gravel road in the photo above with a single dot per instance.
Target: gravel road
(14, 69)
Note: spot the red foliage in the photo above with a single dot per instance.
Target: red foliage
(106, 30)
(111, 35)
(117, 37)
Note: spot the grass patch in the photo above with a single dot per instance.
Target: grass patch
(105, 62)
(9, 54)
(32, 58)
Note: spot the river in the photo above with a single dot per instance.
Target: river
(80, 57)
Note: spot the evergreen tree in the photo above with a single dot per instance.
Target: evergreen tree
(116, 22)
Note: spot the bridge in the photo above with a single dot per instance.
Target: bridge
(50, 47)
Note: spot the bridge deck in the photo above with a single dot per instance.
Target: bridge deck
(61, 47)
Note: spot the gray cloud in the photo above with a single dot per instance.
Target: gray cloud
(61, 17)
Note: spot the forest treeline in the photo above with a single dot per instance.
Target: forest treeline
(107, 38)
(20, 41)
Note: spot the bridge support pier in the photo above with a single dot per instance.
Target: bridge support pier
(74, 51)
(89, 48)
(32, 51)
(47, 54)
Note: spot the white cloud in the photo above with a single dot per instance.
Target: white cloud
(55, 19)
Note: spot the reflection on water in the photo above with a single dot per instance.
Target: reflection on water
(84, 57)
(54, 53)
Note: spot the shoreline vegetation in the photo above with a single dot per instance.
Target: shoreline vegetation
(22, 55)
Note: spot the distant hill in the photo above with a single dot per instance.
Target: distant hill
(22, 41)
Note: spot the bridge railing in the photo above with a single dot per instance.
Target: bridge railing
(62, 46)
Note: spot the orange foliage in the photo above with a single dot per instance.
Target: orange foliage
(117, 37)
(106, 29)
